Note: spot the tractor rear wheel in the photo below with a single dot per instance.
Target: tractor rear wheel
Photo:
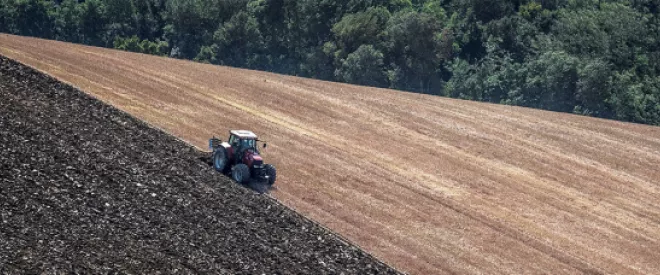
(220, 160)
(241, 173)
(271, 173)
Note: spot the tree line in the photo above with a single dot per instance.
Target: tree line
(592, 57)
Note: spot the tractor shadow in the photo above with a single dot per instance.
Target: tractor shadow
(261, 187)
(258, 186)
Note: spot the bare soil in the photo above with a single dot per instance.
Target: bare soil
(86, 188)
(428, 184)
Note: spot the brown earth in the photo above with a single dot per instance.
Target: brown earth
(428, 184)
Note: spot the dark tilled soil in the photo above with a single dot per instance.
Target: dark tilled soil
(89, 189)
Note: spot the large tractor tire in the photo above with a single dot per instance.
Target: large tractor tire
(220, 161)
(271, 173)
(241, 173)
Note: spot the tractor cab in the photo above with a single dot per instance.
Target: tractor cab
(241, 140)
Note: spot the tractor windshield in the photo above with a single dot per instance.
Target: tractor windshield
(248, 143)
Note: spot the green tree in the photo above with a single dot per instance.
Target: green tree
(121, 16)
(238, 42)
(594, 88)
(68, 21)
(360, 28)
(416, 48)
(34, 18)
(92, 23)
(135, 44)
(364, 66)
(636, 101)
(513, 34)
(187, 27)
(492, 79)
(149, 19)
(435, 9)
(487, 10)
(7, 16)
(613, 31)
(551, 83)
(208, 54)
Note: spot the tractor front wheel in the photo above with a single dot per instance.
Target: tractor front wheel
(241, 173)
(271, 173)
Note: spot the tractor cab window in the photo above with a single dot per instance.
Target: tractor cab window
(239, 143)
(233, 140)
(248, 143)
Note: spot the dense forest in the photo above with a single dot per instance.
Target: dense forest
(592, 57)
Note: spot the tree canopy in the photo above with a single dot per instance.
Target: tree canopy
(591, 57)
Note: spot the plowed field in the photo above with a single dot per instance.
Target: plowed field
(428, 184)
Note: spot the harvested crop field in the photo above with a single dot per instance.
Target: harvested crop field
(428, 184)
(86, 188)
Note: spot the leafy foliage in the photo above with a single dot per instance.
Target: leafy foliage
(135, 44)
(364, 66)
(590, 57)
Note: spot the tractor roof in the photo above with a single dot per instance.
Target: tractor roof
(244, 134)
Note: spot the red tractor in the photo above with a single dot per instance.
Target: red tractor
(240, 157)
